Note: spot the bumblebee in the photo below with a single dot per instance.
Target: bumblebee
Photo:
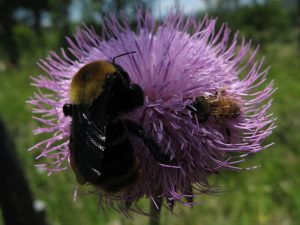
(218, 105)
(101, 152)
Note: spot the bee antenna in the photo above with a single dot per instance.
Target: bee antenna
(127, 53)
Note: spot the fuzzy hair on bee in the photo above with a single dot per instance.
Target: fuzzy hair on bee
(87, 84)
(101, 152)
(219, 106)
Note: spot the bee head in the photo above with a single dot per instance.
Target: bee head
(88, 82)
(91, 79)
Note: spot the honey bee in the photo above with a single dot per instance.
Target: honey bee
(101, 152)
(219, 106)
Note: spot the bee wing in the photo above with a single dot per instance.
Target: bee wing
(153, 147)
(87, 145)
(94, 136)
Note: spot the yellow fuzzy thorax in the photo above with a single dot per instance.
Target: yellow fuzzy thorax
(87, 83)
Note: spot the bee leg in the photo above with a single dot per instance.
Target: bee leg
(227, 130)
(188, 192)
(170, 203)
(153, 147)
(67, 109)
(228, 134)
(128, 205)
(137, 95)
(135, 98)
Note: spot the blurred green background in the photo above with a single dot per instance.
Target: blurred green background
(267, 195)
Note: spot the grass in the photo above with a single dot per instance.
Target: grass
(268, 195)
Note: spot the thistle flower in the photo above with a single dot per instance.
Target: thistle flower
(176, 61)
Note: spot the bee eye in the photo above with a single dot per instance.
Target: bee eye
(109, 78)
(124, 75)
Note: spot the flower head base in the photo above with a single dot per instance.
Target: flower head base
(176, 61)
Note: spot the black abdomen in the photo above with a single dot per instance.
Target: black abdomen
(119, 162)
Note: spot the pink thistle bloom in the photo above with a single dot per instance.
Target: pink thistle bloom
(176, 61)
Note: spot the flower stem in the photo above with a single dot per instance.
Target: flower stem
(154, 214)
